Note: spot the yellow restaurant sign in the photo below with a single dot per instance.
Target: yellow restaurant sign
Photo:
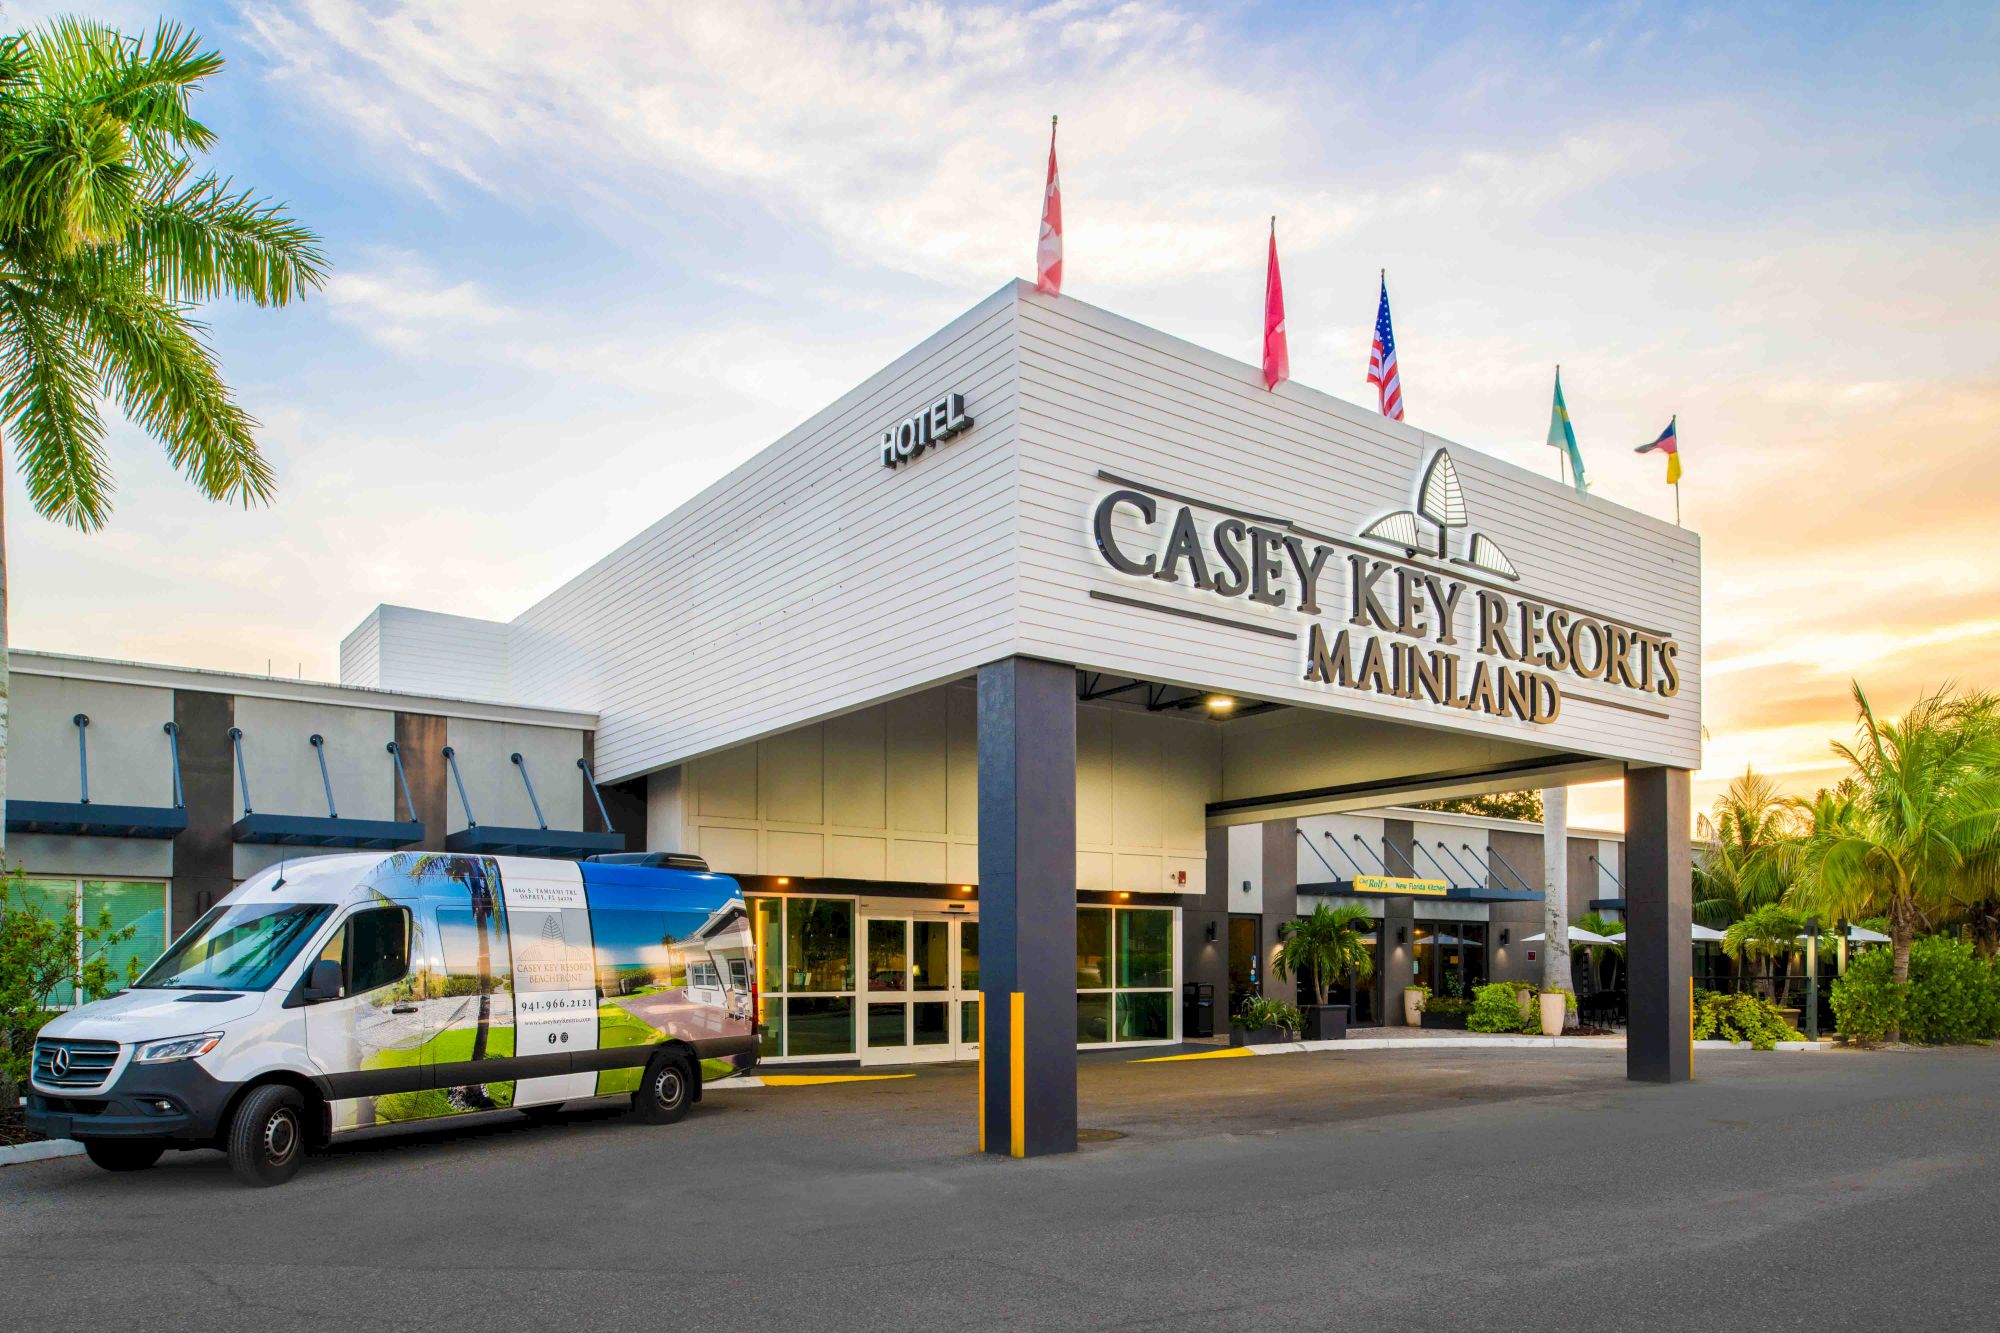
(1395, 884)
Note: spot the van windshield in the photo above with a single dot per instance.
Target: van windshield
(240, 947)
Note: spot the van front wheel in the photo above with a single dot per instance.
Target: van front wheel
(123, 1154)
(267, 1139)
(663, 1094)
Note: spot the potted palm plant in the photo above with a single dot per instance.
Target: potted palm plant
(1330, 943)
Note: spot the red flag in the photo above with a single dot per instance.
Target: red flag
(1048, 250)
(1277, 360)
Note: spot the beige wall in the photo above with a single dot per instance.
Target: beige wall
(891, 793)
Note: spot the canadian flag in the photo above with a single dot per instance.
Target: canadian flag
(1277, 359)
(1048, 250)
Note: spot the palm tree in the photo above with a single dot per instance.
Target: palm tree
(109, 238)
(1740, 864)
(1925, 817)
(1770, 932)
(1330, 943)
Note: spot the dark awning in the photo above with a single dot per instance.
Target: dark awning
(323, 831)
(491, 840)
(83, 819)
(1345, 888)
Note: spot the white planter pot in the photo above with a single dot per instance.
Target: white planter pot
(1554, 1009)
(1413, 1008)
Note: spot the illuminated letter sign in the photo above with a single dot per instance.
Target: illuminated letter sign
(902, 442)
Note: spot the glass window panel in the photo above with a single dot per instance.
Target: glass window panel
(930, 1023)
(1093, 1019)
(968, 955)
(768, 916)
(819, 949)
(968, 1022)
(1143, 1016)
(888, 955)
(139, 906)
(770, 1026)
(55, 900)
(888, 1025)
(1093, 948)
(1145, 947)
(931, 948)
(820, 1026)
(378, 948)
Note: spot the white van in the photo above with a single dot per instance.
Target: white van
(343, 992)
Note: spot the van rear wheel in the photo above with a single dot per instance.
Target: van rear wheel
(664, 1093)
(123, 1154)
(267, 1139)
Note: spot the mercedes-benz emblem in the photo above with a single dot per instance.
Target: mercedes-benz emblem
(59, 1061)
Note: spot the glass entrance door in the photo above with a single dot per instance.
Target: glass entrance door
(922, 997)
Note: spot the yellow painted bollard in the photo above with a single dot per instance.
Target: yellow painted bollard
(1690, 1027)
(981, 1091)
(1017, 1058)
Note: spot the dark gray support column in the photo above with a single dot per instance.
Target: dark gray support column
(204, 851)
(1659, 892)
(1281, 901)
(1399, 917)
(1027, 905)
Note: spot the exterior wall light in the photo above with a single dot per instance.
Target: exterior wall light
(965, 888)
(784, 879)
(1123, 894)
(1220, 703)
(1504, 933)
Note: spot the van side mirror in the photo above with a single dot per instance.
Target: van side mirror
(322, 982)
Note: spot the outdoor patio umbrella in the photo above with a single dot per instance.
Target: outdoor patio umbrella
(1702, 934)
(1577, 935)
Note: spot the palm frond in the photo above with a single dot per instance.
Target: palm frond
(48, 402)
(201, 241)
(155, 364)
(146, 87)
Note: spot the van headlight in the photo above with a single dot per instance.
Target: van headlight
(177, 1048)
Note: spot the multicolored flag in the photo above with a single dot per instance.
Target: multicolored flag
(1382, 370)
(1048, 249)
(1562, 435)
(1669, 443)
(1277, 356)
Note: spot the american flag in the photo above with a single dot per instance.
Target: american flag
(1382, 360)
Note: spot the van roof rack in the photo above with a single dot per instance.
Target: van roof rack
(657, 860)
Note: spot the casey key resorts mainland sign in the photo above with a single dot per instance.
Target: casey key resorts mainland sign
(1404, 628)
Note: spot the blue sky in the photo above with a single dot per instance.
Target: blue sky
(586, 259)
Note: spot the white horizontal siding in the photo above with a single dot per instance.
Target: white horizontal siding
(808, 582)
(1099, 392)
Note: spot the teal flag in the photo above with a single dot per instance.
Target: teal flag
(1562, 435)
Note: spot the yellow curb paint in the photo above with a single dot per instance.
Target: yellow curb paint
(813, 1080)
(1690, 1027)
(1227, 1053)
(1018, 1075)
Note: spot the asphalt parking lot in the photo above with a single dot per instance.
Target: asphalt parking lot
(1399, 1190)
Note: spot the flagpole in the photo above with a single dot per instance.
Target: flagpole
(1562, 455)
(1677, 504)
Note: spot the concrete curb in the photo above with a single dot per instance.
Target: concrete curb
(1493, 1043)
(39, 1151)
(1745, 1046)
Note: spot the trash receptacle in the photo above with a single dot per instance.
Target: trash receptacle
(1197, 1009)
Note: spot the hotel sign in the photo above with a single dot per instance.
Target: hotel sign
(1391, 614)
(928, 429)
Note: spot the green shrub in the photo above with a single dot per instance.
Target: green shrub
(1740, 1017)
(1447, 1006)
(1496, 1007)
(1866, 1001)
(1952, 995)
(1261, 1011)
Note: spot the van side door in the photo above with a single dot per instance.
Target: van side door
(370, 1042)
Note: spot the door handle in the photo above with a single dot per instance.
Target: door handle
(402, 1008)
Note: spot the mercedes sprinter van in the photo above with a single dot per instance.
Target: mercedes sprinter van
(341, 992)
